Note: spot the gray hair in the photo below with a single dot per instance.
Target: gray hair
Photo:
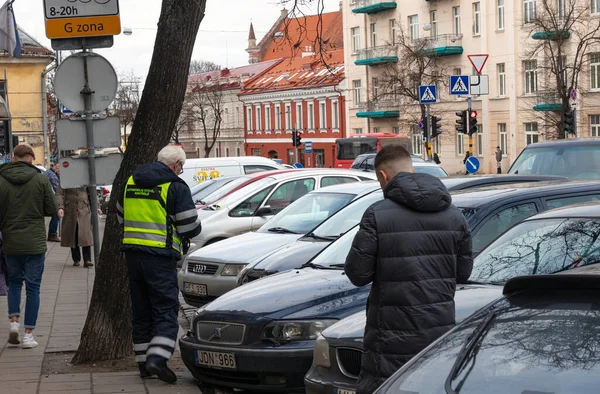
(171, 154)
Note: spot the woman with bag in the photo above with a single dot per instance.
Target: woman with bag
(74, 210)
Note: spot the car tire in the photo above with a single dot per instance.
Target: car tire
(214, 240)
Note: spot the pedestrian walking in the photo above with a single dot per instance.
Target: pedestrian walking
(74, 210)
(26, 198)
(53, 175)
(159, 217)
(414, 246)
(499, 154)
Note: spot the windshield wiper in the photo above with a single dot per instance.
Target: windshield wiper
(468, 352)
(321, 237)
(321, 267)
(281, 230)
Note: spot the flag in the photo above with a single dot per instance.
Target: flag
(9, 37)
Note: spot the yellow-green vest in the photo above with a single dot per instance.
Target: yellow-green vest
(146, 220)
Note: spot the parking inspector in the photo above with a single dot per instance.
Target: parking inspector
(159, 217)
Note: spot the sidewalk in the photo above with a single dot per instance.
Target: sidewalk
(65, 295)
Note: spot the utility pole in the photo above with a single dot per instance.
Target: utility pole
(469, 108)
(428, 131)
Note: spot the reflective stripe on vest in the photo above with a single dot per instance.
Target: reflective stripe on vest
(146, 222)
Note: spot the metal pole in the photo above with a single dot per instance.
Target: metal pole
(468, 128)
(89, 129)
(428, 131)
(8, 124)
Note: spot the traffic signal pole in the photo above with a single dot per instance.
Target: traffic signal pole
(467, 126)
(428, 131)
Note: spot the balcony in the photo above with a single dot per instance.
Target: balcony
(372, 6)
(379, 109)
(378, 55)
(547, 101)
(442, 45)
(552, 35)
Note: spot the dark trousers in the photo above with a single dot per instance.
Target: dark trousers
(76, 254)
(154, 305)
(53, 228)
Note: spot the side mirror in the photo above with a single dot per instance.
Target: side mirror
(264, 211)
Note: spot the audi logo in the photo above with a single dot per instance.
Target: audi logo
(200, 269)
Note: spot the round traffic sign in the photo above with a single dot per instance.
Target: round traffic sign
(65, 164)
(70, 80)
(472, 164)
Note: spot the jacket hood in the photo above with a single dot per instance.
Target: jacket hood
(18, 172)
(418, 191)
(154, 174)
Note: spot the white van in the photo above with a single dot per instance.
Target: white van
(196, 171)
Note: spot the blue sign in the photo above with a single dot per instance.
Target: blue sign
(459, 84)
(472, 164)
(297, 165)
(308, 147)
(427, 94)
(65, 110)
(420, 124)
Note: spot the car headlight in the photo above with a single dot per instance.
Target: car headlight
(321, 353)
(241, 277)
(295, 330)
(232, 269)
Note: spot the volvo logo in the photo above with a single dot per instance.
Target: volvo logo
(218, 332)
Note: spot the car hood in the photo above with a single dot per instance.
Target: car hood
(468, 299)
(242, 248)
(292, 255)
(297, 294)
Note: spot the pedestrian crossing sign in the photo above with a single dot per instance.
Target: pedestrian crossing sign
(427, 94)
(459, 84)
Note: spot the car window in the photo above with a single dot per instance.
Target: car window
(562, 201)
(499, 223)
(223, 190)
(369, 164)
(250, 205)
(358, 162)
(250, 169)
(337, 251)
(289, 192)
(336, 180)
(574, 162)
(431, 170)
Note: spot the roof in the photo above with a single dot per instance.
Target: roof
(300, 73)
(462, 182)
(247, 71)
(358, 188)
(251, 35)
(584, 210)
(568, 142)
(30, 47)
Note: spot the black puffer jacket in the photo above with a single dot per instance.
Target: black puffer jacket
(414, 246)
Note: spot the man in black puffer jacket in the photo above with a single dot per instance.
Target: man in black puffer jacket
(414, 246)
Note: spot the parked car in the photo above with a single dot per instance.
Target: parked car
(576, 158)
(540, 338)
(547, 243)
(212, 271)
(248, 208)
(196, 171)
(366, 162)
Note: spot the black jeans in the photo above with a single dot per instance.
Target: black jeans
(87, 250)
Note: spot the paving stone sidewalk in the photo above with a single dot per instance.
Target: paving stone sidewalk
(65, 295)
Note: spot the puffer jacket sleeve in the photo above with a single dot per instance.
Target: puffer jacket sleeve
(464, 261)
(182, 209)
(362, 258)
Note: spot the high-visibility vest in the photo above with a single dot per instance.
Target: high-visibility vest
(146, 221)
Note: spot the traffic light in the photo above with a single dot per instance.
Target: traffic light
(568, 122)
(296, 138)
(435, 126)
(461, 127)
(472, 122)
(425, 123)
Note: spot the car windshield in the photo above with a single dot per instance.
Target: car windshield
(204, 189)
(335, 254)
(347, 217)
(307, 212)
(536, 345)
(535, 247)
(234, 197)
(431, 170)
(574, 162)
(216, 193)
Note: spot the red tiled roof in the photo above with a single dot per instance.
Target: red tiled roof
(249, 71)
(300, 73)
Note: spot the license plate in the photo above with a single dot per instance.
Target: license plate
(344, 391)
(215, 359)
(195, 289)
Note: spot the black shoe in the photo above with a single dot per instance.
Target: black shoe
(143, 370)
(158, 366)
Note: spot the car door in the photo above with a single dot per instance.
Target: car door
(553, 202)
(242, 216)
(284, 194)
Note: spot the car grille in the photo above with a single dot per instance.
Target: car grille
(349, 361)
(202, 269)
(220, 332)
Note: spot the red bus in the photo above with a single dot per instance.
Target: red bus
(347, 149)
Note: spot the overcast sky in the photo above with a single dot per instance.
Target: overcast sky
(222, 38)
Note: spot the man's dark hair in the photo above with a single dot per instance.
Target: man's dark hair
(390, 154)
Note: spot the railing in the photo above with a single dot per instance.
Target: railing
(440, 41)
(379, 105)
(547, 97)
(364, 3)
(376, 52)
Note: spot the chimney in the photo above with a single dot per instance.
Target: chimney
(308, 51)
(341, 5)
(284, 13)
(225, 72)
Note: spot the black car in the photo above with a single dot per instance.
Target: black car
(306, 247)
(541, 338)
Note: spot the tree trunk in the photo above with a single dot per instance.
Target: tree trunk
(107, 331)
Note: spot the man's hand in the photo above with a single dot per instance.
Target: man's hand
(61, 213)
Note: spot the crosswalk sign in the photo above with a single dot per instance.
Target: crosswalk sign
(427, 94)
(459, 84)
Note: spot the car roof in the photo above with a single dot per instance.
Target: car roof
(266, 173)
(485, 195)
(358, 188)
(565, 142)
(465, 181)
(582, 210)
(278, 175)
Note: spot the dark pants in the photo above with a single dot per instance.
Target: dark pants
(499, 169)
(154, 305)
(53, 228)
(76, 254)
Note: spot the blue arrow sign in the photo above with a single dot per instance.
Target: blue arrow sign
(297, 165)
(459, 84)
(427, 94)
(472, 164)
(308, 147)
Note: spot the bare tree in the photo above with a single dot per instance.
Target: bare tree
(126, 102)
(203, 66)
(561, 35)
(184, 122)
(207, 107)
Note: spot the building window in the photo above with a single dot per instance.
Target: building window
(375, 87)
(238, 151)
(413, 23)
(529, 10)
(335, 115)
(258, 119)
(268, 117)
(298, 116)
(417, 140)
(356, 88)
(500, 14)
(226, 152)
(375, 129)
(355, 39)
(249, 120)
(476, 18)
(322, 116)
(531, 133)
(311, 116)
(393, 31)
(373, 35)
(434, 24)
(456, 19)
(278, 117)
(502, 137)
(357, 131)
(288, 118)
(396, 130)
(595, 70)
(595, 126)
(255, 151)
(460, 145)
(217, 153)
(595, 9)
(237, 116)
(480, 140)
(501, 70)
(530, 68)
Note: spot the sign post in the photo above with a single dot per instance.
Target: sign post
(428, 95)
